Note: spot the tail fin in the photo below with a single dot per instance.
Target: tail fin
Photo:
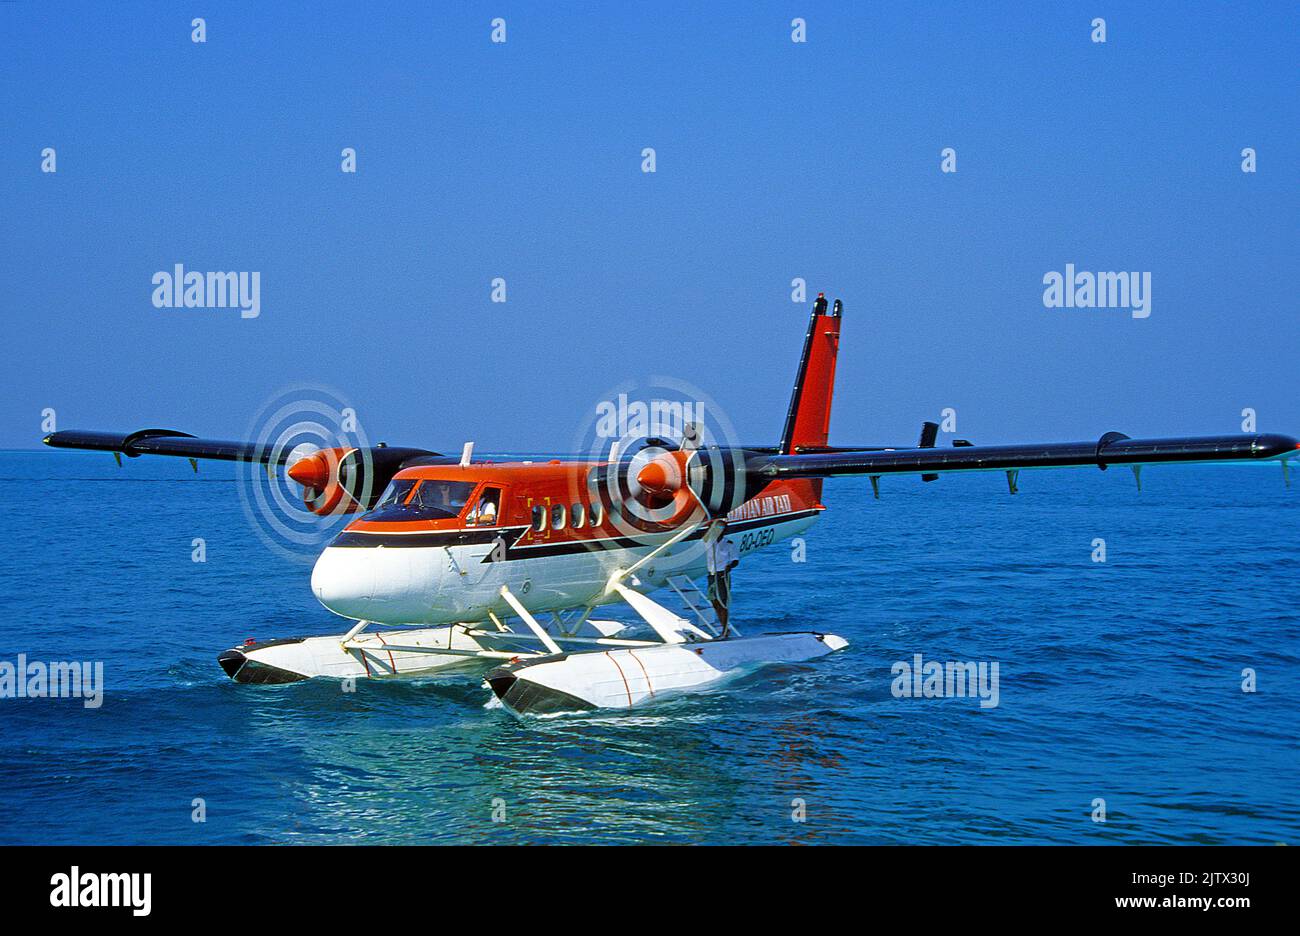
(807, 424)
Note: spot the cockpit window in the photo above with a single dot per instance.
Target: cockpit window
(433, 500)
(395, 494)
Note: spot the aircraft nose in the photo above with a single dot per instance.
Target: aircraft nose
(343, 584)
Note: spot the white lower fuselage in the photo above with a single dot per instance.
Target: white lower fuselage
(446, 584)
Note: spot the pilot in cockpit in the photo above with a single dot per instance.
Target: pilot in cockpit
(485, 511)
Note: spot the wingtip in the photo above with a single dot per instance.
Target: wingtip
(1277, 445)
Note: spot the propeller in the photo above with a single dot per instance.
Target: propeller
(348, 480)
(332, 469)
(663, 458)
(665, 488)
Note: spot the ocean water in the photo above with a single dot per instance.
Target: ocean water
(1119, 681)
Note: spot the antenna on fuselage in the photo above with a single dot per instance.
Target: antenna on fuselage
(465, 453)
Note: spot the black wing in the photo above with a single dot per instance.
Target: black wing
(1113, 448)
(164, 442)
(362, 473)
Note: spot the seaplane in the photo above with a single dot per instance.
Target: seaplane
(457, 562)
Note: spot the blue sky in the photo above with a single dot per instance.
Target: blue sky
(775, 160)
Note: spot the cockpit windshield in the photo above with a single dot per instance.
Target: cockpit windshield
(395, 494)
(432, 500)
(442, 497)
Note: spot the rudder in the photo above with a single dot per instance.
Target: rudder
(807, 423)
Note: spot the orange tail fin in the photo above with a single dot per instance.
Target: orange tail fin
(807, 424)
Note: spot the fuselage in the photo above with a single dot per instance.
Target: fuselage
(443, 540)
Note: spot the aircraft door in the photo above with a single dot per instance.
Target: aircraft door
(480, 561)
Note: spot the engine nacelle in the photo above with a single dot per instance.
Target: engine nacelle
(347, 480)
(716, 476)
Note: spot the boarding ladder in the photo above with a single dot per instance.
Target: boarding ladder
(698, 603)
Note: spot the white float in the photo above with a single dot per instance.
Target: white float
(626, 677)
(390, 653)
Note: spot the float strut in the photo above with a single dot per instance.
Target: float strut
(356, 629)
(545, 638)
(1137, 476)
(875, 486)
(1012, 478)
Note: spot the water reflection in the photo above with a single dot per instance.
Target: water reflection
(425, 761)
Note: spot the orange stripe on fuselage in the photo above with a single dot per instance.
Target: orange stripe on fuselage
(565, 483)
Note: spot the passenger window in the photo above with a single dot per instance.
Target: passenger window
(539, 518)
(597, 513)
(577, 515)
(557, 517)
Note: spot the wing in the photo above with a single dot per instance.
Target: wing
(1114, 448)
(164, 442)
(352, 477)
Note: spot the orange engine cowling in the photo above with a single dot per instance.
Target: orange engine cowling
(665, 474)
(325, 478)
(663, 483)
(346, 480)
(716, 477)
